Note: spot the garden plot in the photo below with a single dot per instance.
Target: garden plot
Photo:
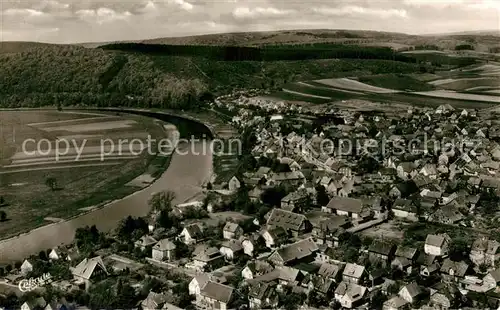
(460, 96)
(69, 121)
(53, 161)
(345, 83)
(99, 126)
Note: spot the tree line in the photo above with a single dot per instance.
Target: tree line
(265, 53)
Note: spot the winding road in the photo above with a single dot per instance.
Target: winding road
(187, 171)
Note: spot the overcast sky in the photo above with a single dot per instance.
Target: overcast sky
(69, 21)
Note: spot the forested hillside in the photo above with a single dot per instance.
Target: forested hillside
(72, 75)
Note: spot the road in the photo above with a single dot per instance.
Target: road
(185, 175)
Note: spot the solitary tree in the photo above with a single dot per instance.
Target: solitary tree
(2, 201)
(3, 216)
(162, 201)
(52, 183)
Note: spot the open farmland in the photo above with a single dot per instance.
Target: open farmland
(85, 175)
(460, 96)
(466, 83)
(353, 85)
(396, 82)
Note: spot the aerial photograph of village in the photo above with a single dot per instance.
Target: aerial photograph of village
(249, 154)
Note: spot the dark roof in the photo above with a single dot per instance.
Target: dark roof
(446, 214)
(260, 290)
(298, 250)
(406, 252)
(231, 227)
(381, 247)
(286, 219)
(496, 275)
(194, 230)
(329, 270)
(437, 240)
(345, 204)
(425, 259)
(459, 268)
(404, 204)
(278, 234)
(413, 289)
(334, 223)
(217, 291)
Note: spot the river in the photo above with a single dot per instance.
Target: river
(188, 170)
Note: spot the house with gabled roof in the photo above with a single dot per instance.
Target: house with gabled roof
(453, 271)
(350, 295)
(444, 296)
(154, 301)
(197, 283)
(232, 231)
(405, 209)
(411, 292)
(262, 296)
(437, 245)
(164, 250)
(294, 201)
(346, 206)
(395, 303)
(294, 223)
(300, 251)
(55, 254)
(485, 251)
(294, 178)
(231, 248)
(381, 251)
(404, 259)
(353, 273)
(255, 269)
(448, 214)
(145, 242)
(191, 234)
(215, 296)
(26, 267)
(208, 258)
(89, 271)
(330, 271)
(274, 236)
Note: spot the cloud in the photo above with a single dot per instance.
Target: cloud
(354, 11)
(250, 13)
(184, 5)
(23, 12)
(459, 4)
(102, 15)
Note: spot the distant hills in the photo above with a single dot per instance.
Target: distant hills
(182, 72)
(482, 39)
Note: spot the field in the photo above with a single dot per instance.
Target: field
(84, 176)
(467, 87)
(459, 96)
(397, 82)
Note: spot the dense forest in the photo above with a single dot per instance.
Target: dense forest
(72, 75)
(266, 53)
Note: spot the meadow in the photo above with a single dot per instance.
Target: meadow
(79, 184)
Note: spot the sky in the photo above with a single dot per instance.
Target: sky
(72, 21)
